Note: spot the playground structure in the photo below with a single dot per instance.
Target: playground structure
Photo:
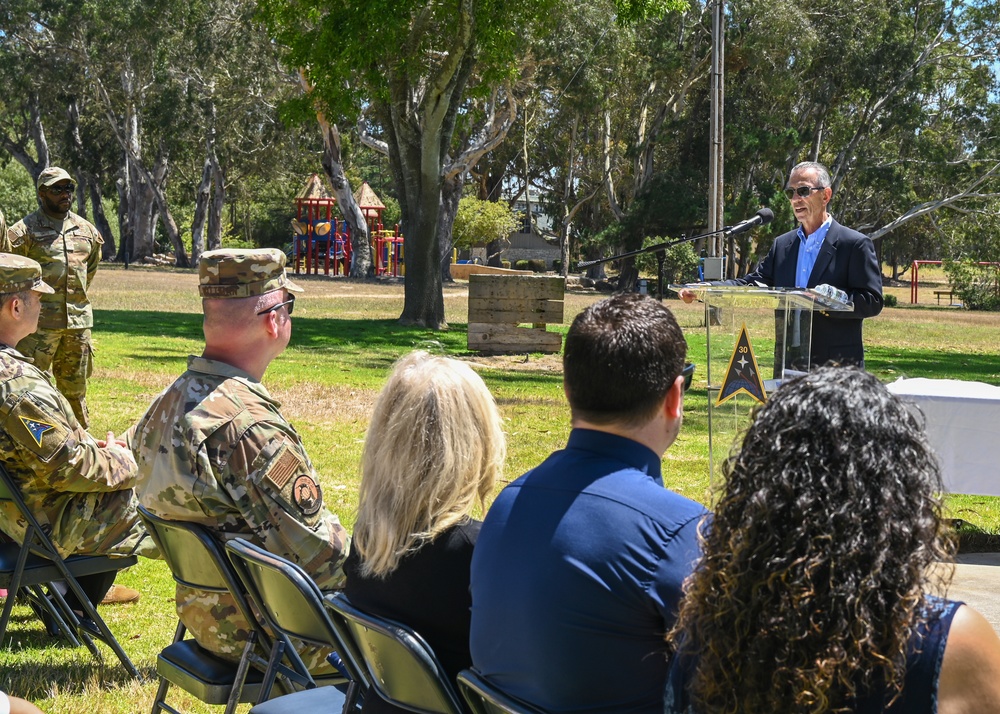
(387, 256)
(320, 239)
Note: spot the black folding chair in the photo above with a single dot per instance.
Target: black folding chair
(399, 665)
(197, 560)
(291, 606)
(483, 698)
(35, 562)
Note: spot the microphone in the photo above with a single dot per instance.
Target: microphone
(761, 218)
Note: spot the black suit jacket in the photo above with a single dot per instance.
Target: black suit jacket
(847, 261)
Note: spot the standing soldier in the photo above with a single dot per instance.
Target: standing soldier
(68, 248)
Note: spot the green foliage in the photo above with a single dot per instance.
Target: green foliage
(680, 263)
(521, 265)
(630, 11)
(536, 265)
(480, 222)
(17, 193)
(978, 286)
(890, 300)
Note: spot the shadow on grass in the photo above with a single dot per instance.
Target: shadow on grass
(973, 539)
(890, 364)
(35, 663)
(331, 334)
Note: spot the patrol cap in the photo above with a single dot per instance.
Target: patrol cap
(239, 273)
(18, 273)
(51, 175)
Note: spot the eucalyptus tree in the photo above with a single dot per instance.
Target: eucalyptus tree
(411, 64)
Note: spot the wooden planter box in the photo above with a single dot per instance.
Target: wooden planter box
(499, 304)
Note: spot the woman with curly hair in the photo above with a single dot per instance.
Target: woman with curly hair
(434, 449)
(812, 593)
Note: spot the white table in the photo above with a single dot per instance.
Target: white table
(963, 426)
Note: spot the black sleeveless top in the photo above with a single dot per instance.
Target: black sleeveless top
(920, 686)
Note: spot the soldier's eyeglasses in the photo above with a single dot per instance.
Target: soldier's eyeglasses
(688, 374)
(68, 190)
(801, 191)
(290, 302)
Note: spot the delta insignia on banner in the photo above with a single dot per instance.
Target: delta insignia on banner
(742, 376)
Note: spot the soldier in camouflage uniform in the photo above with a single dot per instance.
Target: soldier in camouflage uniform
(78, 487)
(68, 248)
(214, 448)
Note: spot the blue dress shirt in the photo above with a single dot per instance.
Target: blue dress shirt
(808, 250)
(576, 578)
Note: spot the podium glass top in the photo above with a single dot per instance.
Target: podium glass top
(777, 298)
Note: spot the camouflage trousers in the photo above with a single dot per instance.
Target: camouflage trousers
(216, 623)
(69, 356)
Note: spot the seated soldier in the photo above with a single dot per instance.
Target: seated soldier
(78, 487)
(214, 449)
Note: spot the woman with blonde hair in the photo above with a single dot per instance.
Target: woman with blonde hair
(434, 450)
(813, 594)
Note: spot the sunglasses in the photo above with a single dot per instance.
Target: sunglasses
(68, 190)
(290, 302)
(687, 373)
(802, 191)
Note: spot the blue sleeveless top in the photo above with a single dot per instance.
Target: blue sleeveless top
(920, 686)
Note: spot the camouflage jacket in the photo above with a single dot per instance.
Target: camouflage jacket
(214, 449)
(83, 492)
(68, 251)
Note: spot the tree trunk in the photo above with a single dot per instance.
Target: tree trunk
(81, 194)
(201, 201)
(361, 256)
(101, 220)
(451, 194)
(218, 204)
(157, 182)
(34, 134)
(125, 239)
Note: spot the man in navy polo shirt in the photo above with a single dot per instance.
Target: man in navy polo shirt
(577, 572)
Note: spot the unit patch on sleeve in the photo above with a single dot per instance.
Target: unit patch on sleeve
(307, 495)
(36, 428)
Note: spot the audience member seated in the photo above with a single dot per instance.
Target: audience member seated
(78, 487)
(434, 449)
(578, 569)
(813, 591)
(215, 449)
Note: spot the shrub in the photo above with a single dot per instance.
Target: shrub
(680, 263)
(536, 265)
(978, 286)
(521, 265)
(505, 264)
(890, 300)
(557, 265)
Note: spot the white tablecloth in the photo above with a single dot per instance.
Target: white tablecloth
(963, 426)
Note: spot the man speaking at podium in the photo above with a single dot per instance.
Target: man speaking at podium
(821, 252)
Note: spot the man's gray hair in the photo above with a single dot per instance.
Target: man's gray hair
(822, 175)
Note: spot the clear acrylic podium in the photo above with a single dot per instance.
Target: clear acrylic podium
(754, 339)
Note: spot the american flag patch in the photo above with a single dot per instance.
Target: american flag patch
(282, 468)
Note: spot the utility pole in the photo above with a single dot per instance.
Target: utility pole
(716, 207)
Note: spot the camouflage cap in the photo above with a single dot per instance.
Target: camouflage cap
(237, 273)
(51, 175)
(18, 273)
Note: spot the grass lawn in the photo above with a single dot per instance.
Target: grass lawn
(345, 338)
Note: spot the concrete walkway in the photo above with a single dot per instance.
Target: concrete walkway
(977, 583)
